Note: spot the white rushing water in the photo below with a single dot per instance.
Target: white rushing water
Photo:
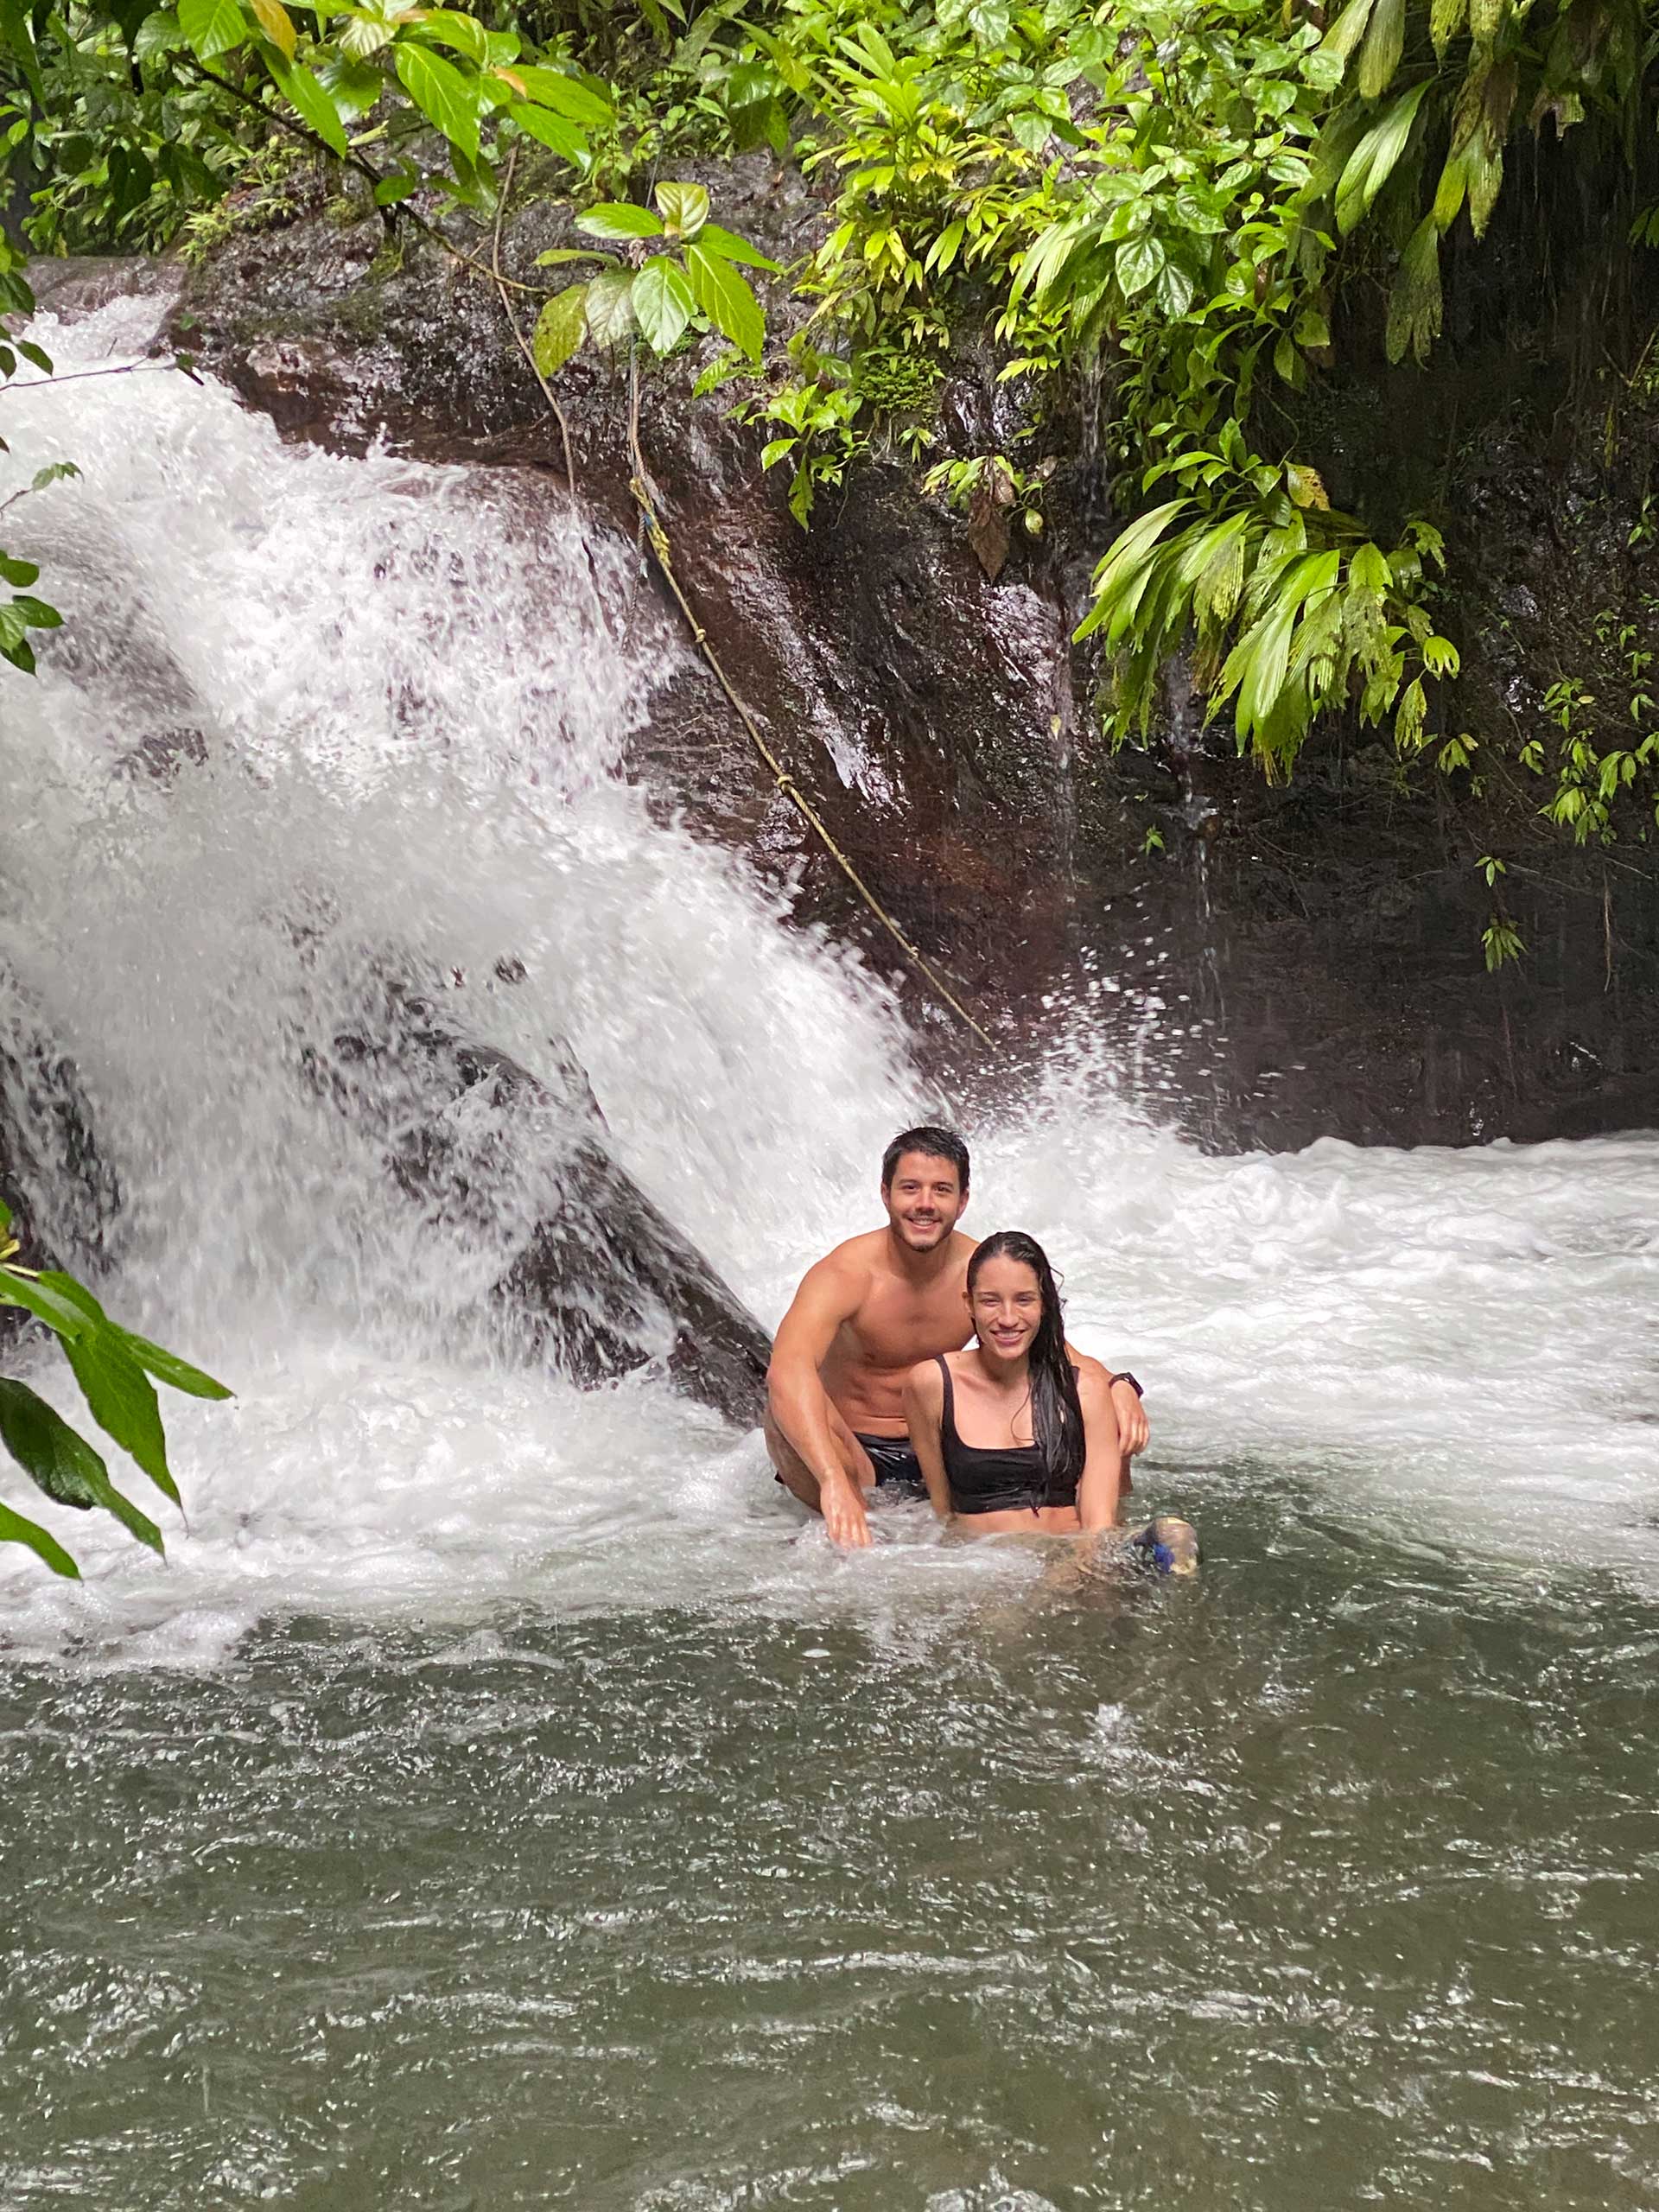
(313, 717)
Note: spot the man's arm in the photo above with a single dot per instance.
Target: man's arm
(829, 1294)
(1102, 1466)
(1133, 1428)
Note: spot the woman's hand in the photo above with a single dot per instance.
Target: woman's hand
(1133, 1429)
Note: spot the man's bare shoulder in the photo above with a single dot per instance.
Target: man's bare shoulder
(846, 1270)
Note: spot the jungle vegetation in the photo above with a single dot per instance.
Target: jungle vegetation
(1190, 209)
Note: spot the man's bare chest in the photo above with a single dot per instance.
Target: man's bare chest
(895, 1327)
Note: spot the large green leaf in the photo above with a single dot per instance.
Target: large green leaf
(662, 301)
(1374, 161)
(619, 218)
(311, 104)
(167, 1366)
(1385, 41)
(454, 28)
(552, 130)
(560, 329)
(446, 98)
(683, 207)
(58, 1312)
(730, 247)
(566, 96)
(122, 1401)
(1126, 554)
(212, 27)
(61, 1462)
(1138, 263)
(14, 1530)
(610, 307)
(726, 299)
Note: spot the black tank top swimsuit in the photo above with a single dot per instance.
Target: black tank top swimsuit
(1006, 1478)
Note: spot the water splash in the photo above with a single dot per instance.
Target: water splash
(315, 718)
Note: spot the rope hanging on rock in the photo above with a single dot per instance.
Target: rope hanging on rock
(783, 782)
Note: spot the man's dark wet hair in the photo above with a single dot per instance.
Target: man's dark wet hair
(932, 1144)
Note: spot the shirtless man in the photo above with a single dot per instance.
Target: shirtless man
(861, 1319)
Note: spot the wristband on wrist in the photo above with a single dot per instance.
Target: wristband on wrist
(1127, 1378)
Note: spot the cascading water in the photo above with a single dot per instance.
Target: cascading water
(496, 1798)
(311, 718)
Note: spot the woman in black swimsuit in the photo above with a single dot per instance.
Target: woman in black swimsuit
(1018, 1432)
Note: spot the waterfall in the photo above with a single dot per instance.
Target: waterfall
(320, 733)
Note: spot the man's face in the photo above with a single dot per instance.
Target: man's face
(925, 1200)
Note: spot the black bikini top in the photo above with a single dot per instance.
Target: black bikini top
(1004, 1478)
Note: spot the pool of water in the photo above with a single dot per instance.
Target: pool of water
(1327, 1881)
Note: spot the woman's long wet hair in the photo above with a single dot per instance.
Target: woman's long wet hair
(1056, 1409)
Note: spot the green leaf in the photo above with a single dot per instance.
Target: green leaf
(553, 131)
(312, 105)
(37, 614)
(392, 189)
(18, 572)
(1349, 28)
(730, 247)
(61, 1462)
(1374, 160)
(1385, 41)
(560, 329)
(619, 218)
(662, 301)
(566, 96)
(446, 99)
(1173, 291)
(726, 299)
(122, 1401)
(1124, 558)
(158, 33)
(212, 27)
(610, 307)
(47, 1305)
(1415, 304)
(167, 1366)
(463, 33)
(683, 207)
(14, 1530)
(556, 254)
(1138, 263)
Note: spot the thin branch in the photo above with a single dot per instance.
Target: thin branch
(519, 340)
(657, 536)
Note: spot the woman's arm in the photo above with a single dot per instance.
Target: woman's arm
(1103, 1462)
(924, 1415)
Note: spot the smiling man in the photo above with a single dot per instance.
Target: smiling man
(861, 1319)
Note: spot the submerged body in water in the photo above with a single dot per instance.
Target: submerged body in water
(840, 1422)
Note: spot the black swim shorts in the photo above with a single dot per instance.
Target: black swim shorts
(898, 1470)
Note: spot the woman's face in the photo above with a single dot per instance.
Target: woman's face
(1006, 1305)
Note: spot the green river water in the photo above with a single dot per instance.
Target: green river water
(1326, 1882)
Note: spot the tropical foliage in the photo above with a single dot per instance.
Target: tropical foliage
(114, 1368)
(1179, 212)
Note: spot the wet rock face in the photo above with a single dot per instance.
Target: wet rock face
(594, 1279)
(1298, 962)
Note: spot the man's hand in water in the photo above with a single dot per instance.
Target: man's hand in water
(1132, 1429)
(844, 1517)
